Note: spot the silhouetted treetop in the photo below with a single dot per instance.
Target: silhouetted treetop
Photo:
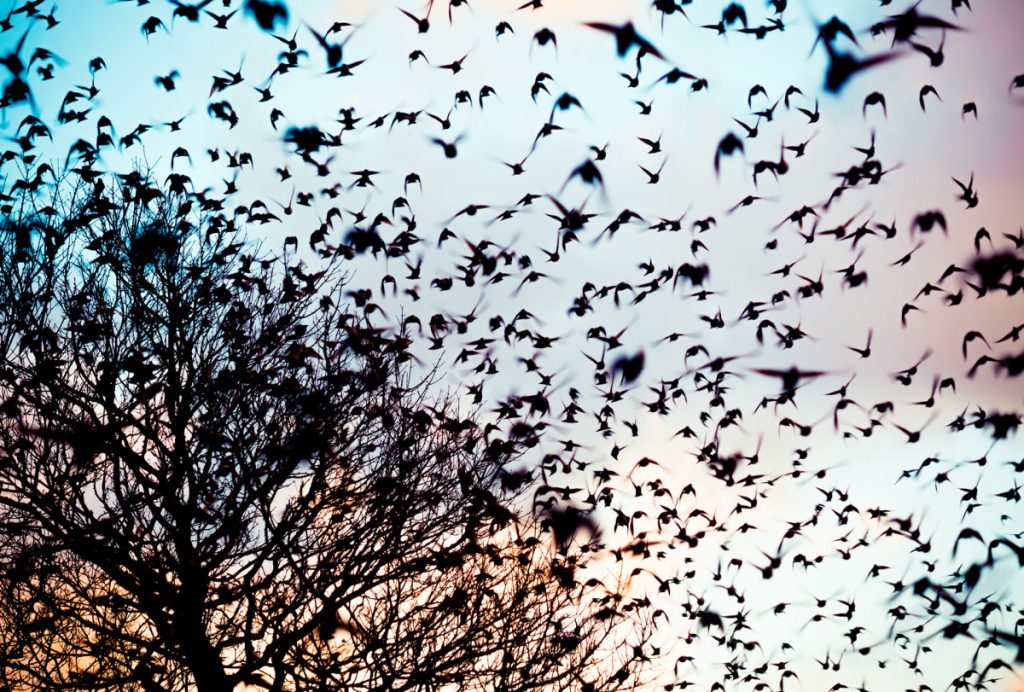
(215, 471)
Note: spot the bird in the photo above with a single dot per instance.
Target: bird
(967, 192)
(872, 99)
(267, 13)
(727, 146)
(926, 90)
(167, 82)
(626, 38)
(450, 148)
(844, 66)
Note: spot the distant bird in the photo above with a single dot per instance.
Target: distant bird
(925, 90)
(729, 145)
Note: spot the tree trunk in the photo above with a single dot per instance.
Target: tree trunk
(208, 670)
(204, 662)
(193, 640)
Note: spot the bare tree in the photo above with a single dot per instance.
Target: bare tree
(215, 471)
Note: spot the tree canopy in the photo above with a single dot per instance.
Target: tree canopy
(215, 471)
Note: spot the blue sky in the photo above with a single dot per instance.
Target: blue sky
(924, 150)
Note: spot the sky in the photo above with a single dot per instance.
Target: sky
(922, 150)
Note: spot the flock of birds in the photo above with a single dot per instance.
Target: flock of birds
(634, 383)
